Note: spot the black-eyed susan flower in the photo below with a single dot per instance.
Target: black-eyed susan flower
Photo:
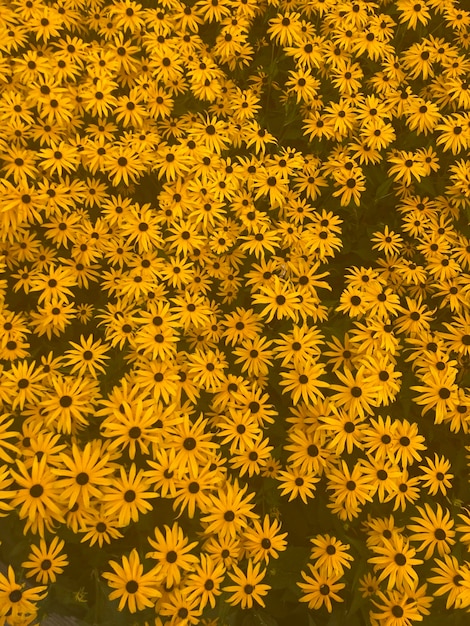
(383, 477)
(192, 489)
(37, 497)
(350, 490)
(241, 325)
(54, 284)
(416, 318)
(434, 529)
(297, 482)
(251, 460)
(172, 553)
(18, 602)
(280, 300)
(132, 427)
(25, 382)
(285, 29)
(179, 605)
(46, 561)
(369, 585)
(382, 302)
(320, 589)
(405, 167)
(240, 429)
(438, 393)
(395, 607)
(263, 542)
(141, 228)
(130, 585)
(6, 481)
(395, 562)
(352, 302)
(298, 347)
(261, 242)
(454, 133)
(304, 382)
(193, 310)
(448, 579)
(8, 450)
(255, 356)
(422, 115)
(19, 164)
(248, 589)
(436, 474)
(357, 393)
(407, 443)
(330, 554)
(207, 368)
(308, 450)
(164, 472)
(407, 491)
(191, 441)
(204, 584)
(52, 318)
(121, 163)
(99, 527)
(379, 529)
(224, 550)
(351, 184)
(343, 431)
(230, 511)
(86, 357)
(157, 378)
(128, 495)
(68, 403)
(82, 473)
(388, 242)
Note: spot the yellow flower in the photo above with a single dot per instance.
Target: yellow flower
(17, 602)
(247, 589)
(132, 587)
(172, 553)
(395, 561)
(319, 589)
(46, 562)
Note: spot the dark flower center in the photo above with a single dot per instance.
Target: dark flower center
(193, 487)
(132, 586)
(189, 443)
(134, 432)
(356, 392)
(15, 595)
(36, 491)
(82, 478)
(130, 495)
(171, 556)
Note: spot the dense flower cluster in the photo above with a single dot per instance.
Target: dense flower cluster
(234, 310)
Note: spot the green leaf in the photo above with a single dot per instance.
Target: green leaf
(383, 189)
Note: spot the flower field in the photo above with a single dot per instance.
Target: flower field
(235, 312)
